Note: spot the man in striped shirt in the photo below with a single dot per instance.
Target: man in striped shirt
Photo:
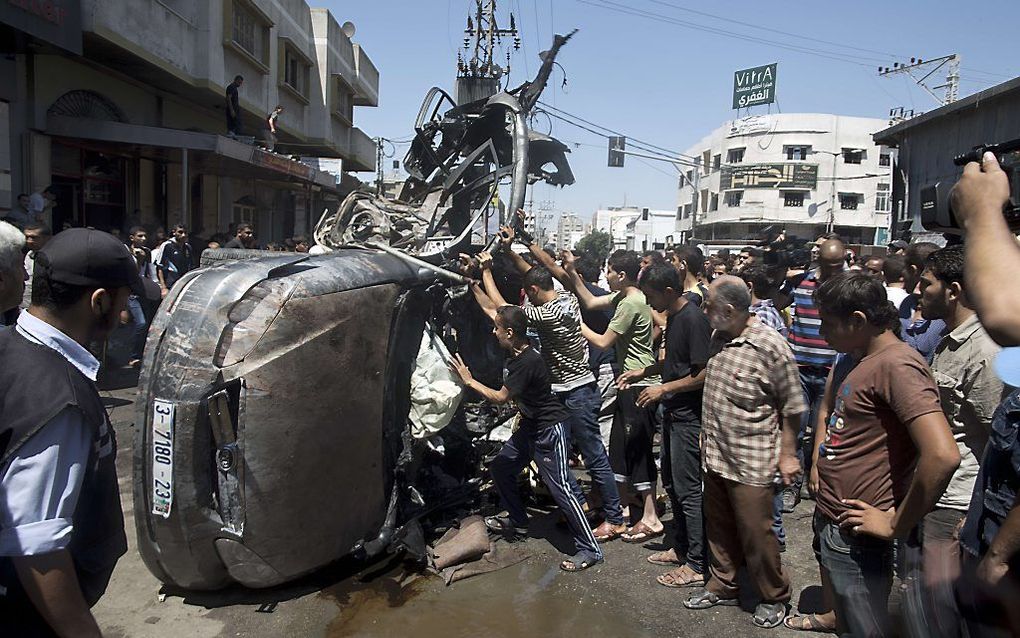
(813, 353)
(556, 317)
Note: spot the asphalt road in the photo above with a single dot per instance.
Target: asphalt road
(619, 597)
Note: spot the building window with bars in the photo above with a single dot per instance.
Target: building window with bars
(714, 204)
(735, 156)
(343, 103)
(885, 160)
(795, 153)
(733, 198)
(295, 72)
(793, 199)
(883, 203)
(716, 162)
(249, 31)
(853, 156)
(849, 201)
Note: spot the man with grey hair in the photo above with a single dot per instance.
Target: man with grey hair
(752, 392)
(12, 270)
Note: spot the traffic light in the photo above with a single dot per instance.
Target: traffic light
(616, 145)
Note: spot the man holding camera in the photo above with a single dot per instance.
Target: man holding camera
(990, 537)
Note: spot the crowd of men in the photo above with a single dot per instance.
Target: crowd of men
(879, 386)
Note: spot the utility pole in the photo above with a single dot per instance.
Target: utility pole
(951, 86)
(379, 165)
(478, 76)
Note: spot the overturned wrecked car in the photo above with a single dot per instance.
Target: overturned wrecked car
(293, 409)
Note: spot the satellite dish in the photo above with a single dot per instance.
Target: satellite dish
(348, 29)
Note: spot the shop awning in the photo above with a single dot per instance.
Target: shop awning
(216, 153)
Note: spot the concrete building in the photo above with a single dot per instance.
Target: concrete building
(805, 172)
(651, 230)
(928, 143)
(569, 230)
(123, 111)
(614, 220)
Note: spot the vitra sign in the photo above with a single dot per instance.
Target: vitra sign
(754, 86)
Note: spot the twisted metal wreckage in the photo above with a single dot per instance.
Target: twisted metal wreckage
(296, 409)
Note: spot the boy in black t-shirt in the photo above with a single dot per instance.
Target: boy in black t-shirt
(688, 335)
(541, 437)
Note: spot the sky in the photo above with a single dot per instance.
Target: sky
(662, 70)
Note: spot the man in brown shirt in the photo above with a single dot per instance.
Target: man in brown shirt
(887, 452)
(752, 390)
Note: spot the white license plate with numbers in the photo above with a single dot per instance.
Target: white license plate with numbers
(162, 457)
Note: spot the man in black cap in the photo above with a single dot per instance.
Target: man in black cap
(898, 247)
(61, 523)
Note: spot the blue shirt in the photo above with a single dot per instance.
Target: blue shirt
(39, 486)
(998, 482)
(923, 335)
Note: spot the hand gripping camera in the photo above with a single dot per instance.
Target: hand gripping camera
(936, 209)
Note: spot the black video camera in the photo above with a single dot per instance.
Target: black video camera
(936, 209)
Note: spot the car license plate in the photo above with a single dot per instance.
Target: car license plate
(162, 457)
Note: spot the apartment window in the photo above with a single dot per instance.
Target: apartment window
(735, 156)
(295, 71)
(644, 214)
(884, 160)
(853, 156)
(882, 200)
(714, 203)
(249, 31)
(687, 211)
(690, 176)
(797, 152)
(793, 199)
(849, 201)
(343, 102)
(716, 161)
(733, 198)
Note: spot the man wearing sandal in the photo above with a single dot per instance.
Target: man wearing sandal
(688, 338)
(541, 437)
(752, 392)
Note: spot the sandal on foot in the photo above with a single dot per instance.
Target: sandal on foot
(769, 615)
(503, 526)
(580, 562)
(607, 532)
(662, 558)
(809, 622)
(641, 533)
(703, 599)
(681, 577)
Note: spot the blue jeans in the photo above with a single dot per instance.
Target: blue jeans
(777, 516)
(812, 384)
(138, 326)
(861, 570)
(582, 425)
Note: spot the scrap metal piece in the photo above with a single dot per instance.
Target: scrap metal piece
(456, 162)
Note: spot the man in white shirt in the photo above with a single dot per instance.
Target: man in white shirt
(893, 270)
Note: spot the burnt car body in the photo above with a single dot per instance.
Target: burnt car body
(272, 415)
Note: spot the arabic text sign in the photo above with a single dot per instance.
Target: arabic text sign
(769, 176)
(754, 86)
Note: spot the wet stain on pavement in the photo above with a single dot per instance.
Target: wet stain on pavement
(526, 600)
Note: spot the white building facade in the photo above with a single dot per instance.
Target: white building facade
(651, 230)
(614, 220)
(806, 172)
